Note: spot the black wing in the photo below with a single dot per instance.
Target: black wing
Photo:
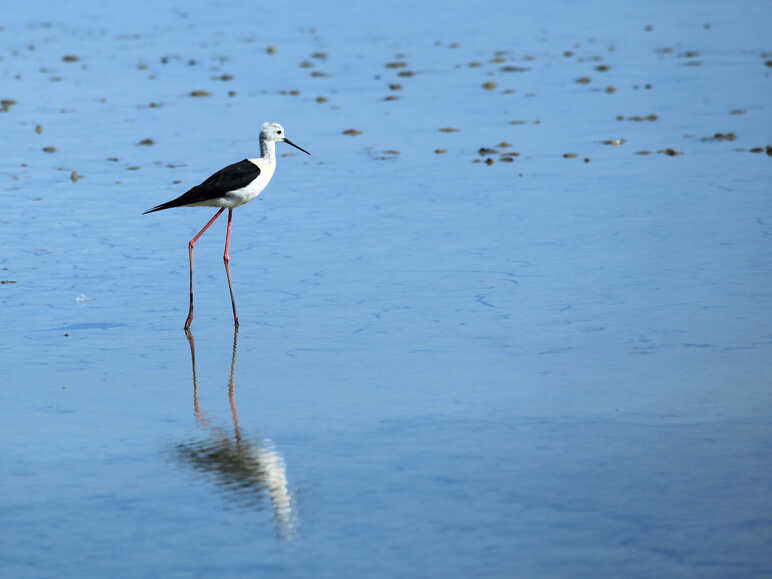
(230, 178)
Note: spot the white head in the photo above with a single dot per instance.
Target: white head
(274, 132)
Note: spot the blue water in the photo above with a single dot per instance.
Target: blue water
(538, 368)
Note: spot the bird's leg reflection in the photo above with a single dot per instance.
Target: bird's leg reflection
(192, 343)
(248, 467)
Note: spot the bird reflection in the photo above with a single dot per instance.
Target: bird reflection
(248, 468)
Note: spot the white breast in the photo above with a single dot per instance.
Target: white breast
(246, 194)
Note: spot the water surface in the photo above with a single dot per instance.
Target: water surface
(554, 365)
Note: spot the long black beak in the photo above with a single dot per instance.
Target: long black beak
(286, 140)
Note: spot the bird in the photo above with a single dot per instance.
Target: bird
(228, 188)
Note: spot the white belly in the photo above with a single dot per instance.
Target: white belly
(244, 195)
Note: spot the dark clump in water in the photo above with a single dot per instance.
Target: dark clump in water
(720, 137)
(386, 155)
(510, 68)
(638, 118)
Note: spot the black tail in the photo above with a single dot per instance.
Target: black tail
(157, 208)
(168, 205)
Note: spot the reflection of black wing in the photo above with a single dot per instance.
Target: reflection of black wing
(228, 179)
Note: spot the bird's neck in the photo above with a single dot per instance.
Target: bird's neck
(268, 151)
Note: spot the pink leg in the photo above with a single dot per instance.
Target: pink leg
(226, 258)
(231, 396)
(190, 253)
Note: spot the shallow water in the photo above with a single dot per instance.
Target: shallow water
(542, 367)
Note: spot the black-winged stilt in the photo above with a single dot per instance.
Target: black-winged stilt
(230, 187)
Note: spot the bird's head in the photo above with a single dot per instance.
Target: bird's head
(275, 132)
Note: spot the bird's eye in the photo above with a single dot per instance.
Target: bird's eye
(278, 132)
